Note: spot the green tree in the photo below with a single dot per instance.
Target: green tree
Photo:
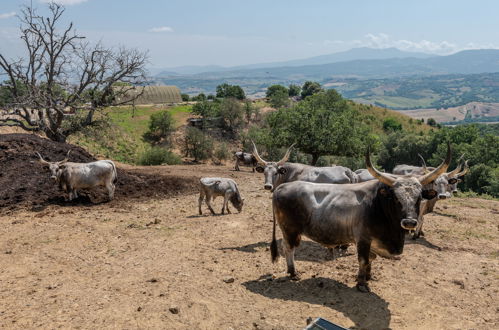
(391, 124)
(431, 122)
(161, 125)
(185, 97)
(232, 113)
(197, 144)
(279, 99)
(294, 90)
(225, 90)
(206, 109)
(310, 88)
(274, 89)
(320, 125)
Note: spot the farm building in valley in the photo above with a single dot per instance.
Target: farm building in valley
(150, 95)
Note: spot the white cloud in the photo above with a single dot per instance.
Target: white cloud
(7, 15)
(65, 2)
(161, 29)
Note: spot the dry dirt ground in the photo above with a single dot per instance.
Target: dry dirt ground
(157, 264)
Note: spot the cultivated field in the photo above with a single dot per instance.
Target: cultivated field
(473, 109)
(155, 263)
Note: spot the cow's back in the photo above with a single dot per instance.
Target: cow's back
(336, 174)
(88, 175)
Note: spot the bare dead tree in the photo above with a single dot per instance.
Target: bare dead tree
(62, 80)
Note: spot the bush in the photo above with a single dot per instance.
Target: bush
(221, 153)
(232, 113)
(185, 97)
(391, 124)
(206, 109)
(197, 144)
(158, 156)
(160, 128)
(226, 90)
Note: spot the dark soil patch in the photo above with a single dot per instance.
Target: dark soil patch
(25, 183)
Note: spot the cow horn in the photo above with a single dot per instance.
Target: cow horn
(425, 169)
(43, 161)
(427, 178)
(375, 173)
(257, 156)
(286, 156)
(466, 170)
(457, 169)
(66, 158)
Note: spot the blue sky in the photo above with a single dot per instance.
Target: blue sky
(227, 33)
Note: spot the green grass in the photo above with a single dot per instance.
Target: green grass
(121, 138)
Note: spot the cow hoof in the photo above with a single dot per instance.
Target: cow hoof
(363, 288)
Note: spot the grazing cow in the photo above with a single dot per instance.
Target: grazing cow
(245, 158)
(363, 175)
(279, 172)
(375, 215)
(73, 176)
(210, 188)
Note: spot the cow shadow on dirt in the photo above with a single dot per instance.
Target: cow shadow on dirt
(422, 241)
(307, 251)
(366, 310)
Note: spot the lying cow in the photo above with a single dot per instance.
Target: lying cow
(73, 176)
(375, 215)
(210, 188)
(279, 172)
(245, 158)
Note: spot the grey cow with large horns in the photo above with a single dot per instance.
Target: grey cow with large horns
(73, 176)
(279, 172)
(375, 215)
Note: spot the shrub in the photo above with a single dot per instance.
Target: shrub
(160, 128)
(197, 144)
(391, 124)
(158, 156)
(232, 113)
(185, 97)
(206, 109)
(221, 153)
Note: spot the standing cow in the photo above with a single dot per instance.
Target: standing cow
(73, 176)
(210, 188)
(375, 215)
(444, 186)
(245, 158)
(279, 172)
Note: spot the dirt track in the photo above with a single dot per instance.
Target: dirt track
(134, 264)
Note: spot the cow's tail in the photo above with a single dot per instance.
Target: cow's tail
(273, 245)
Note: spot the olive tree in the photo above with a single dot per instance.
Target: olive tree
(62, 80)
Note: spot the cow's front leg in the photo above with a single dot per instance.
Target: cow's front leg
(419, 229)
(237, 165)
(363, 252)
(224, 205)
(200, 202)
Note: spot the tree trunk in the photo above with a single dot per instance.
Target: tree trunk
(315, 158)
(56, 136)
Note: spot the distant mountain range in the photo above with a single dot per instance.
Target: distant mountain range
(362, 53)
(364, 64)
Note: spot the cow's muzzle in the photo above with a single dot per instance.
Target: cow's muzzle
(443, 196)
(268, 187)
(409, 224)
(53, 177)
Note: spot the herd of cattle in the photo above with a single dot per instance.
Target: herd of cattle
(333, 206)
